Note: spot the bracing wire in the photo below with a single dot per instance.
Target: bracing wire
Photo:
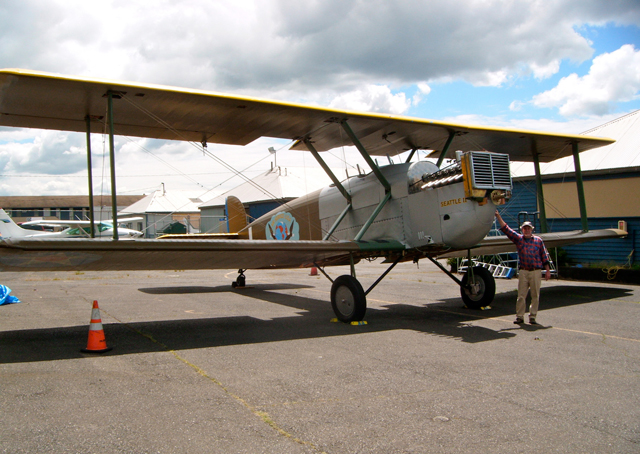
(197, 146)
(206, 152)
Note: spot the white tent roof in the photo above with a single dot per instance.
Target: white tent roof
(275, 184)
(164, 202)
(625, 152)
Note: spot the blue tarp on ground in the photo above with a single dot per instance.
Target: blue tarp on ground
(5, 297)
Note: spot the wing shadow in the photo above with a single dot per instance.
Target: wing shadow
(446, 318)
(550, 298)
(313, 322)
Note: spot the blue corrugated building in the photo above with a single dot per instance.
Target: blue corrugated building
(618, 251)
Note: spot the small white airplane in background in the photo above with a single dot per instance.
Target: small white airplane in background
(74, 229)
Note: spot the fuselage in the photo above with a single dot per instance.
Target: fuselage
(436, 214)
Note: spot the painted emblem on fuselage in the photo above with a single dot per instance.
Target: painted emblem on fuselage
(283, 226)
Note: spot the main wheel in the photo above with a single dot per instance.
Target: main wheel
(479, 291)
(348, 299)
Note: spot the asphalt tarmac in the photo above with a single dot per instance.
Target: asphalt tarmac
(199, 367)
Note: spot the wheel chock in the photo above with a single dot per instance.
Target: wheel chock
(335, 320)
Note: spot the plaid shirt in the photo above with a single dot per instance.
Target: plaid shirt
(531, 251)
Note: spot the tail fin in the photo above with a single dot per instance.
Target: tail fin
(8, 228)
(236, 214)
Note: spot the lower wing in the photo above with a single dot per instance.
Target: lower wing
(501, 244)
(97, 255)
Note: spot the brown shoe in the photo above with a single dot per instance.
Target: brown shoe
(519, 321)
(532, 321)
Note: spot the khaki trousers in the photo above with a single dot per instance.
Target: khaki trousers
(528, 280)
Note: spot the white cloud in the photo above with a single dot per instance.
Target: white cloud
(372, 98)
(613, 77)
(423, 90)
(516, 106)
(351, 54)
(545, 71)
(489, 78)
(48, 152)
(271, 45)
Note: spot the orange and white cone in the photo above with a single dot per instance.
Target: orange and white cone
(314, 271)
(96, 342)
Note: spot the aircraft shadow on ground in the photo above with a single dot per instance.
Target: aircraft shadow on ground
(554, 297)
(447, 318)
(313, 322)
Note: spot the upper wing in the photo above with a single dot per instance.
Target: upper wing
(500, 244)
(40, 100)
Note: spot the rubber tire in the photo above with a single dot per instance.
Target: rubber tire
(348, 299)
(487, 288)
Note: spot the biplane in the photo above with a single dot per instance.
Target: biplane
(409, 211)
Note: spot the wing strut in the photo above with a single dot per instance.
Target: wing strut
(383, 181)
(327, 170)
(365, 155)
(536, 164)
(335, 180)
(112, 160)
(579, 184)
(581, 200)
(413, 151)
(338, 221)
(373, 217)
(445, 150)
(91, 208)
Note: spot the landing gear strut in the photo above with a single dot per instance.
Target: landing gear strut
(477, 288)
(240, 280)
(348, 298)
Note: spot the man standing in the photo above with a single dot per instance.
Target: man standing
(532, 257)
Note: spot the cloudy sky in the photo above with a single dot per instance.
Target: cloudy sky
(557, 65)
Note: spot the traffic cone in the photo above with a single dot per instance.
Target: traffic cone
(314, 271)
(96, 342)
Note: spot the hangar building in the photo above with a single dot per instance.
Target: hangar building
(165, 212)
(262, 194)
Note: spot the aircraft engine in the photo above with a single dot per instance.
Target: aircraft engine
(463, 195)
